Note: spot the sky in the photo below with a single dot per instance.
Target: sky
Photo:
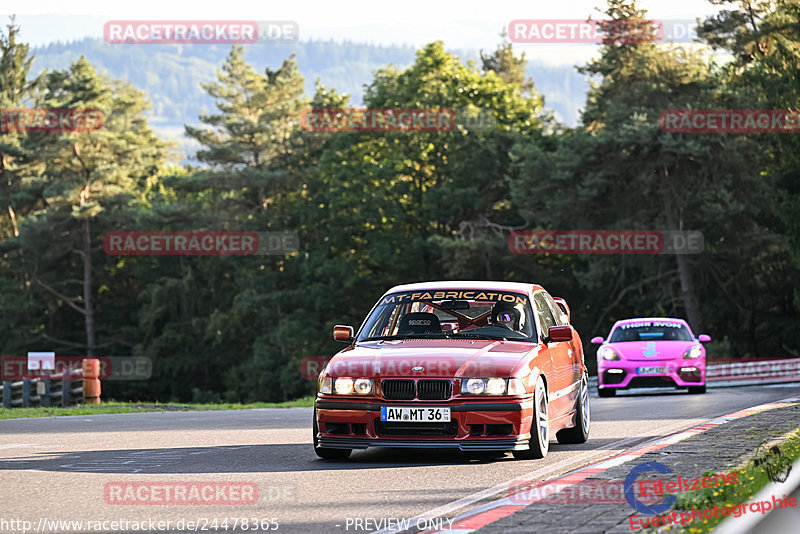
(461, 24)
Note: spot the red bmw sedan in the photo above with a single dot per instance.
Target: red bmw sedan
(484, 367)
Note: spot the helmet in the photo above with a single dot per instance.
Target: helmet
(511, 316)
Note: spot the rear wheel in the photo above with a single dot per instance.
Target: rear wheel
(697, 389)
(580, 432)
(324, 453)
(540, 429)
(606, 392)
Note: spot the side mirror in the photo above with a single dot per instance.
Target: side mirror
(560, 333)
(597, 340)
(343, 333)
(702, 338)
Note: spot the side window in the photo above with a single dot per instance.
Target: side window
(544, 312)
(560, 316)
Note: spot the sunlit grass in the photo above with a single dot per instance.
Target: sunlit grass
(134, 407)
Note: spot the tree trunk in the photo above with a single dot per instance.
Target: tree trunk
(675, 222)
(88, 304)
(688, 294)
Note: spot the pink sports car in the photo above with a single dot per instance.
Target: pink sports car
(651, 352)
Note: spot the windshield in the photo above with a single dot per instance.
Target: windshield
(468, 314)
(651, 331)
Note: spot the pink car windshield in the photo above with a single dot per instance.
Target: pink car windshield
(650, 331)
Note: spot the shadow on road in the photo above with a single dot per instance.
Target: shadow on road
(274, 458)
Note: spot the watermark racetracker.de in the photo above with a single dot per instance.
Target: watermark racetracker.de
(137, 493)
(312, 366)
(605, 242)
(50, 120)
(577, 31)
(200, 243)
(729, 121)
(201, 31)
(404, 120)
(15, 368)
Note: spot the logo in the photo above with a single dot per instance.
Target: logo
(418, 322)
(649, 351)
(418, 369)
(638, 505)
(775, 464)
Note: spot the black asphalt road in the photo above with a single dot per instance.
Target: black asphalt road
(55, 469)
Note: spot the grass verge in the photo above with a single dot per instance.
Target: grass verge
(132, 407)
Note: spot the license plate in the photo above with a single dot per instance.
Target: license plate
(651, 370)
(406, 414)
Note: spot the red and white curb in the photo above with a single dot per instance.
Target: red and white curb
(489, 513)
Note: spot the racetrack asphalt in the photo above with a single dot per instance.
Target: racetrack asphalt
(56, 468)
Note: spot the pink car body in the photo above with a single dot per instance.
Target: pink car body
(651, 352)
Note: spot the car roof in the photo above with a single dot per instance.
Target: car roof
(651, 319)
(469, 284)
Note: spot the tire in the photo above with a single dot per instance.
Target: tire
(606, 392)
(697, 389)
(580, 432)
(540, 428)
(325, 453)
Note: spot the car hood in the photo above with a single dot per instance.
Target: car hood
(441, 358)
(651, 350)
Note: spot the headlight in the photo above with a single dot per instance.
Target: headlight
(489, 386)
(326, 386)
(516, 387)
(474, 386)
(495, 386)
(363, 386)
(344, 386)
(607, 353)
(694, 352)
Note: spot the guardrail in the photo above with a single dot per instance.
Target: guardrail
(753, 371)
(745, 372)
(63, 391)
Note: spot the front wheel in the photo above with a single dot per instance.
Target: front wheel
(697, 389)
(325, 453)
(580, 432)
(606, 392)
(540, 429)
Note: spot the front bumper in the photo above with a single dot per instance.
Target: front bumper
(680, 372)
(474, 426)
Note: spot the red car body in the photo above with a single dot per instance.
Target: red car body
(432, 371)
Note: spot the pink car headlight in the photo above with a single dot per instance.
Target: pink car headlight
(694, 352)
(607, 353)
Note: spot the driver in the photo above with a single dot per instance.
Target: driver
(508, 315)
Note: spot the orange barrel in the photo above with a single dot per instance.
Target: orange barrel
(91, 391)
(91, 368)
